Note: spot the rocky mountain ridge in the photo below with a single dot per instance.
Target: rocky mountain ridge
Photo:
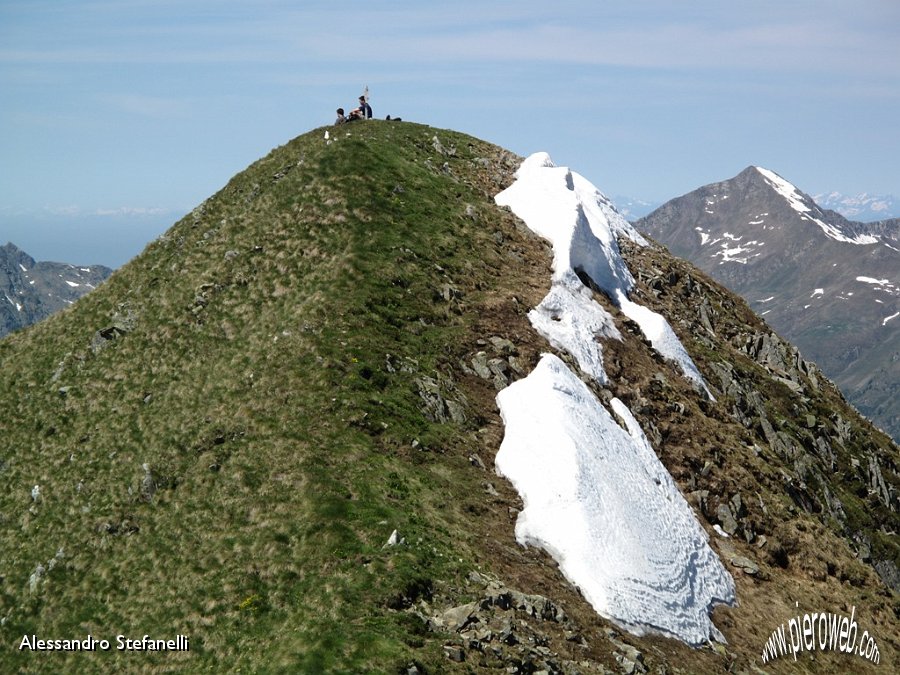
(274, 431)
(827, 284)
(32, 290)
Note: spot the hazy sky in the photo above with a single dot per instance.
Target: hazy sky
(117, 116)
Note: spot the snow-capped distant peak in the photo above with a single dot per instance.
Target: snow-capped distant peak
(786, 190)
(808, 209)
(863, 207)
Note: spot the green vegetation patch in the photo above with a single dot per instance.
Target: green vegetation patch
(221, 439)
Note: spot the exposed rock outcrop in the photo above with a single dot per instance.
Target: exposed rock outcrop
(31, 291)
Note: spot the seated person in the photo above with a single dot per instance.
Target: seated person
(340, 116)
(363, 112)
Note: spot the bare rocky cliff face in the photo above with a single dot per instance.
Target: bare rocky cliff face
(827, 284)
(31, 291)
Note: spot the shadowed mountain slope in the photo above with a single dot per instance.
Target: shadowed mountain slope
(827, 284)
(34, 290)
(273, 432)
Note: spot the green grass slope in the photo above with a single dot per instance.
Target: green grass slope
(229, 457)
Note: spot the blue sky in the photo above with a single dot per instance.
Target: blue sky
(116, 117)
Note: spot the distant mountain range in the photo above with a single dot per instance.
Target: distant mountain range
(633, 207)
(863, 207)
(828, 284)
(34, 290)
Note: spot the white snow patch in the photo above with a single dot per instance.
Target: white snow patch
(704, 236)
(565, 208)
(656, 329)
(582, 225)
(719, 531)
(739, 254)
(785, 189)
(13, 303)
(818, 291)
(771, 297)
(72, 284)
(877, 282)
(22, 267)
(85, 269)
(638, 555)
(798, 203)
(734, 255)
(888, 318)
(571, 320)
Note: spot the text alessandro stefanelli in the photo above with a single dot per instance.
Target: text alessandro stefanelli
(91, 644)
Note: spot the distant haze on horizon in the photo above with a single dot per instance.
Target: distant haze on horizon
(120, 117)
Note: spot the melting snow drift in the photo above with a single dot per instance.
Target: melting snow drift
(638, 554)
(582, 225)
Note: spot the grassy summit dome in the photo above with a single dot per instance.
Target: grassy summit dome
(226, 433)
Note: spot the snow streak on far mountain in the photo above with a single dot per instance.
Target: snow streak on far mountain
(809, 210)
(829, 284)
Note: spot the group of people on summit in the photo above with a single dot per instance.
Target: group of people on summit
(363, 112)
